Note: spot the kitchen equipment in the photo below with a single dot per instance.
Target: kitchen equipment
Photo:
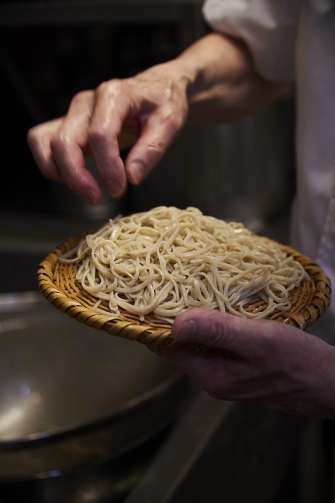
(80, 415)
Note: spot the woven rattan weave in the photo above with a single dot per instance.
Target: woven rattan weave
(59, 286)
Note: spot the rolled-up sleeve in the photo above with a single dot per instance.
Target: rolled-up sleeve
(268, 27)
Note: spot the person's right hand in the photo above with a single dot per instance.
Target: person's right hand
(212, 81)
(148, 111)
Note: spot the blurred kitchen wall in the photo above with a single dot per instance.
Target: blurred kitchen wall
(50, 50)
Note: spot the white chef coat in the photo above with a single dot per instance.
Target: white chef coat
(295, 39)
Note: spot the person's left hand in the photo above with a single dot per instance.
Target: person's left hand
(260, 362)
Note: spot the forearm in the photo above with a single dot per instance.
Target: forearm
(222, 83)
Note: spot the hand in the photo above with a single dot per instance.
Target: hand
(212, 81)
(147, 111)
(260, 362)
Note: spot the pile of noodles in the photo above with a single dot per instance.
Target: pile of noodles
(161, 262)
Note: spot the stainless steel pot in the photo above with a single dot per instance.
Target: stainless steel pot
(81, 412)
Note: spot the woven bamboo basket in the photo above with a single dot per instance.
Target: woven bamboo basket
(58, 284)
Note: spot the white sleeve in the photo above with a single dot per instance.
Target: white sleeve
(268, 27)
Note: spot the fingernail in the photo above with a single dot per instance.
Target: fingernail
(136, 169)
(114, 189)
(185, 331)
(91, 196)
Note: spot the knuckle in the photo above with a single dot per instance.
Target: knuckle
(55, 142)
(58, 141)
(35, 135)
(216, 331)
(176, 118)
(109, 87)
(80, 97)
(168, 114)
(172, 119)
(156, 148)
(96, 132)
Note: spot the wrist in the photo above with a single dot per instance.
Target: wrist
(222, 83)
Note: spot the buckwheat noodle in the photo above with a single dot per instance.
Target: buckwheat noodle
(161, 262)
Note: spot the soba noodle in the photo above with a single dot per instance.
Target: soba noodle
(160, 262)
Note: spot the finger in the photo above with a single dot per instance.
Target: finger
(212, 370)
(111, 109)
(184, 358)
(158, 131)
(38, 139)
(68, 143)
(249, 338)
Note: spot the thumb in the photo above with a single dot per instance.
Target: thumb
(155, 138)
(224, 331)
